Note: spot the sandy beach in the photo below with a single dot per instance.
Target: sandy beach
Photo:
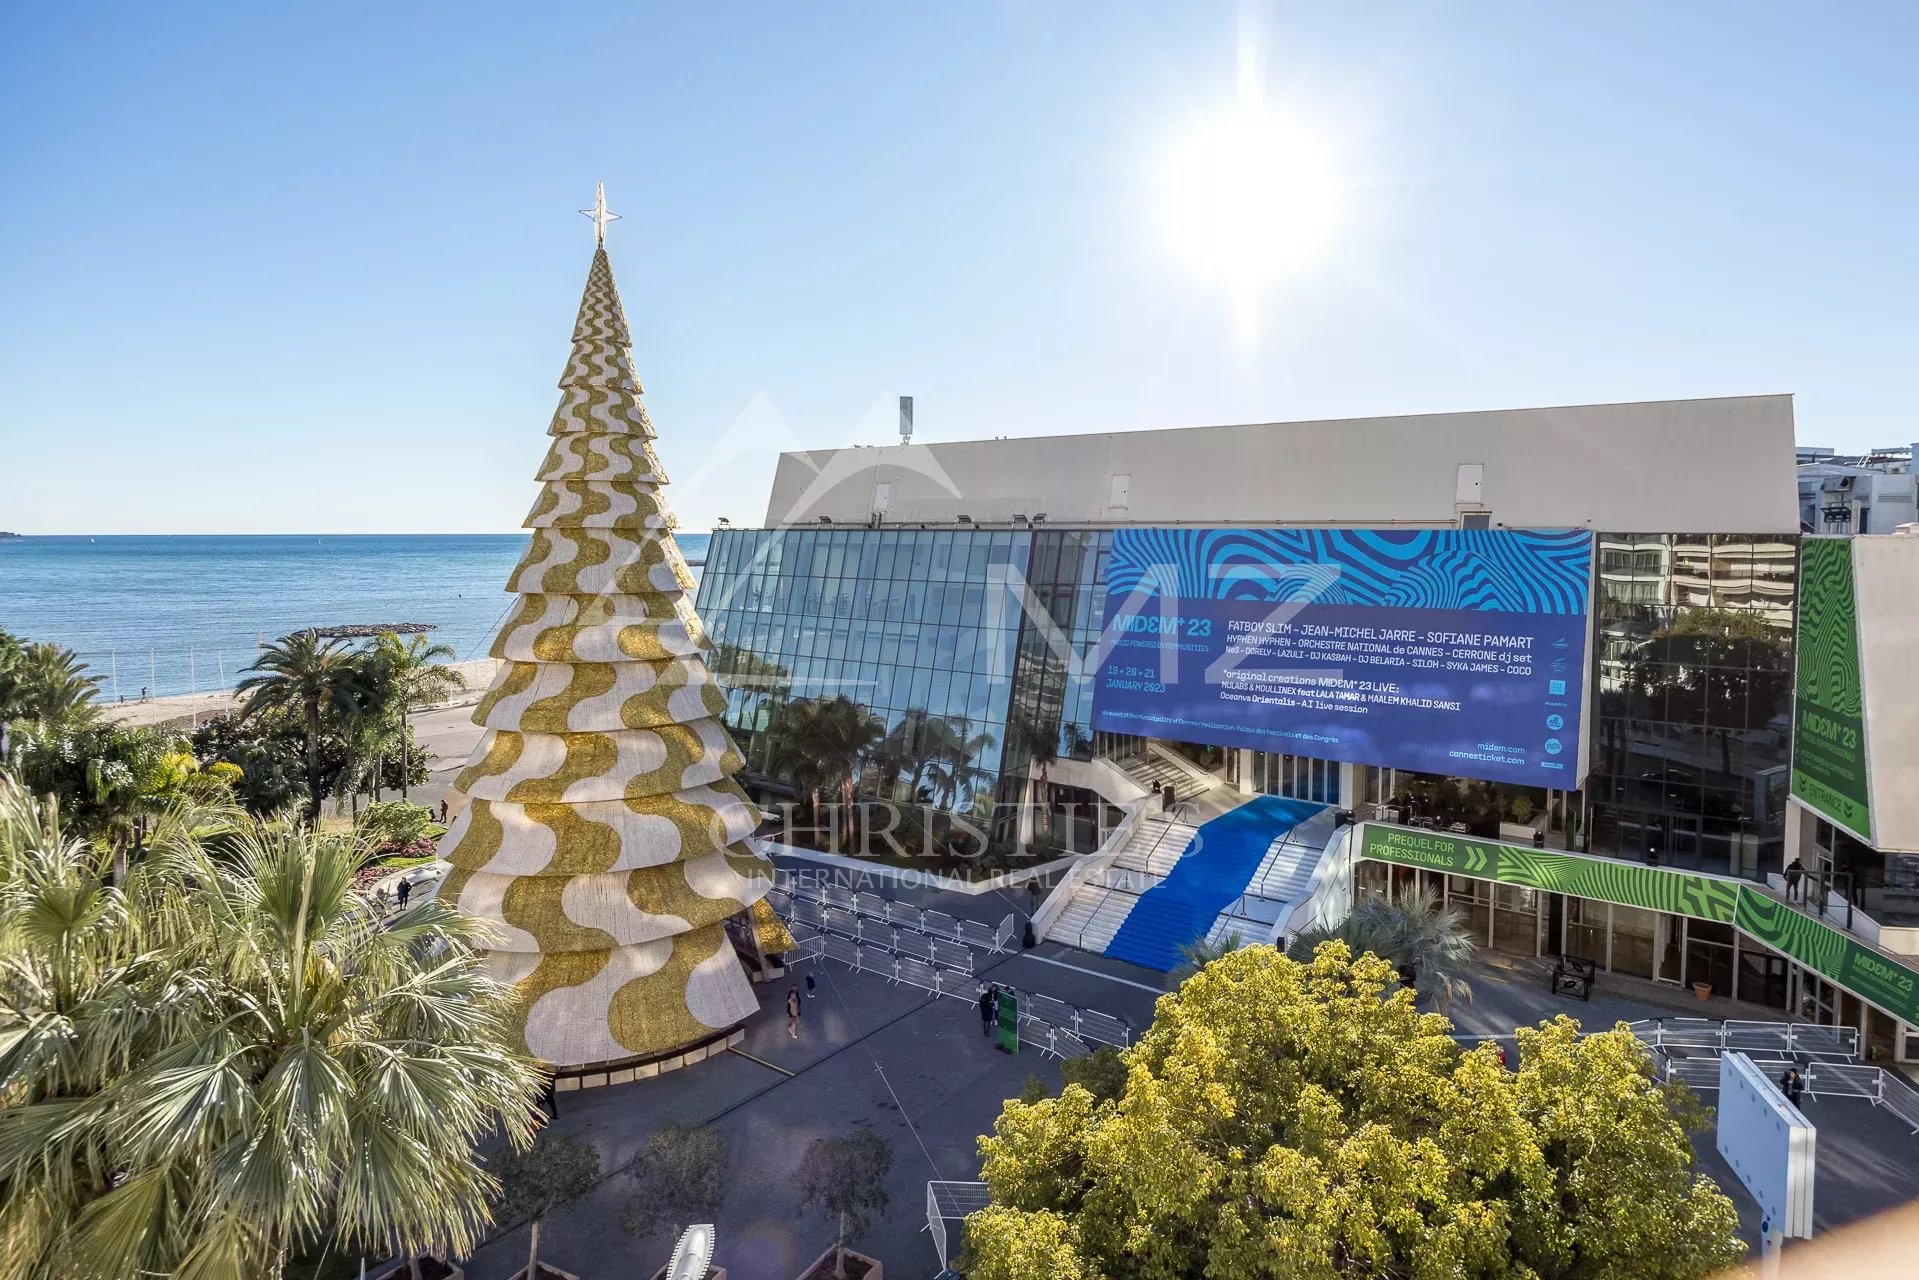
(189, 709)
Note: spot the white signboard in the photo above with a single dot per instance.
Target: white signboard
(1768, 1143)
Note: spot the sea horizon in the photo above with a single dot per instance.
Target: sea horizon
(166, 614)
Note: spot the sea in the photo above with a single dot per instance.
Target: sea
(160, 615)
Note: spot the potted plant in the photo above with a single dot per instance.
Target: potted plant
(554, 1171)
(677, 1181)
(1703, 990)
(845, 1178)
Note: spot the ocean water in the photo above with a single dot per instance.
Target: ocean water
(184, 613)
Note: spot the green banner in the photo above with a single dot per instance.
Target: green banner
(1890, 984)
(1828, 724)
(1874, 978)
(1603, 879)
(1008, 1027)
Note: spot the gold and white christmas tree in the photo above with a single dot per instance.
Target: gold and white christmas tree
(604, 839)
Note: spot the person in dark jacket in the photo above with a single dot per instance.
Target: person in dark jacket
(405, 891)
(1792, 1084)
(988, 1009)
(1795, 870)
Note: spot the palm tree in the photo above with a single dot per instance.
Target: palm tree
(954, 766)
(414, 674)
(222, 1059)
(309, 674)
(46, 685)
(1201, 952)
(1041, 744)
(817, 746)
(1419, 936)
(367, 733)
(850, 731)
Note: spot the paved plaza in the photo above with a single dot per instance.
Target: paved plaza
(918, 1069)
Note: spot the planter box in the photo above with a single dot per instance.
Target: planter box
(431, 1268)
(823, 1268)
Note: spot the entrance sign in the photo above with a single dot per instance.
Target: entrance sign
(1450, 651)
(1878, 979)
(1828, 724)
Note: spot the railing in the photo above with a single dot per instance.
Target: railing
(1833, 1079)
(1806, 1040)
(863, 916)
(1083, 870)
(1050, 1025)
(1827, 895)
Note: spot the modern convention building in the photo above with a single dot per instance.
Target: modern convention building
(1538, 663)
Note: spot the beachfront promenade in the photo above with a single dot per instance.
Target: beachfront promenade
(192, 708)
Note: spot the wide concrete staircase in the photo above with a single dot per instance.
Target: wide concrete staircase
(1282, 882)
(1225, 864)
(1104, 901)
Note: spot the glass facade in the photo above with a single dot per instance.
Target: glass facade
(1295, 777)
(959, 642)
(966, 645)
(1692, 703)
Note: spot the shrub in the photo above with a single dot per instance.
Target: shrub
(392, 825)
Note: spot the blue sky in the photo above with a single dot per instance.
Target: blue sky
(311, 268)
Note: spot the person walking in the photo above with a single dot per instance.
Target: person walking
(405, 892)
(1795, 871)
(793, 1011)
(1792, 1084)
(443, 813)
(988, 1009)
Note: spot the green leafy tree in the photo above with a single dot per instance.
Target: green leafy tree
(677, 1180)
(392, 824)
(845, 1178)
(1417, 934)
(110, 781)
(269, 747)
(552, 1173)
(1101, 1073)
(10, 659)
(312, 676)
(222, 1058)
(1305, 1120)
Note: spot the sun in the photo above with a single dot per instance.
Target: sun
(1250, 196)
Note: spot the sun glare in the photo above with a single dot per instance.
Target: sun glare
(1249, 197)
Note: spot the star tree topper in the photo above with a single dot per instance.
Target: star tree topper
(600, 215)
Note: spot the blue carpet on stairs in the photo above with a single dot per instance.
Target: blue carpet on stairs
(1216, 867)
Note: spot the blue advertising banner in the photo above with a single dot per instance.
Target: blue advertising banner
(1450, 651)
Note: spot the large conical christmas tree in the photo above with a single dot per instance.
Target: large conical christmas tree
(604, 836)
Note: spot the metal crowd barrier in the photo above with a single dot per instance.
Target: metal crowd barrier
(1786, 1039)
(1876, 1085)
(946, 969)
(805, 896)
